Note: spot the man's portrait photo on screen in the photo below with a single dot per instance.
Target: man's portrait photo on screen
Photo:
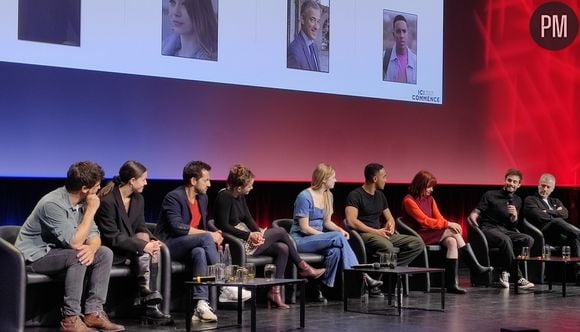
(308, 35)
(190, 29)
(399, 47)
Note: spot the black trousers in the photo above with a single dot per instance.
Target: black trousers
(561, 233)
(509, 242)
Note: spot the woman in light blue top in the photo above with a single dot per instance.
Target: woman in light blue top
(313, 228)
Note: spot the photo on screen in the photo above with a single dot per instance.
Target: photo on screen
(190, 29)
(50, 21)
(399, 47)
(308, 35)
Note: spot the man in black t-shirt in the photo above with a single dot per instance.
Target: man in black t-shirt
(364, 208)
(498, 212)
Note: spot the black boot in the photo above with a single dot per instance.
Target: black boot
(372, 283)
(152, 315)
(319, 296)
(452, 276)
(146, 273)
(468, 257)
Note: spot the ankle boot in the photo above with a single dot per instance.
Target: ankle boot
(146, 296)
(307, 271)
(452, 276)
(319, 296)
(468, 256)
(152, 315)
(372, 283)
(275, 298)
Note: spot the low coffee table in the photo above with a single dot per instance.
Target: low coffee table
(252, 286)
(398, 273)
(550, 261)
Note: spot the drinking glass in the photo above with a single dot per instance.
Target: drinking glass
(231, 272)
(566, 252)
(546, 252)
(385, 260)
(251, 267)
(242, 274)
(220, 272)
(212, 271)
(269, 271)
(525, 252)
(393, 260)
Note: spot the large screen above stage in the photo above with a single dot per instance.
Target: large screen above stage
(382, 49)
(507, 101)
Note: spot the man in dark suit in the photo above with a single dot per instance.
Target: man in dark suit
(303, 52)
(549, 215)
(183, 228)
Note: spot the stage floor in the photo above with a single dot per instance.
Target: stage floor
(482, 309)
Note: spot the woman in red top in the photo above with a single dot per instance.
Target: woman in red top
(421, 213)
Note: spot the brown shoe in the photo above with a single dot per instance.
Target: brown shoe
(74, 324)
(307, 271)
(100, 321)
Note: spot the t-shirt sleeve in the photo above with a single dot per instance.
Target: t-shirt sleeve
(353, 199)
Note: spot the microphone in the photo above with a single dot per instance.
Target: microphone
(510, 199)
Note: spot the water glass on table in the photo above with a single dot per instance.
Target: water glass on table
(525, 252)
(269, 271)
(251, 268)
(566, 252)
(546, 252)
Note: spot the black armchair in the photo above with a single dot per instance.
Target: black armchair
(356, 243)
(310, 258)
(482, 251)
(12, 282)
(430, 250)
(237, 249)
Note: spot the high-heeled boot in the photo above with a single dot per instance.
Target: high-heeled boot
(452, 276)
(468, 256)
(275, 298)
(146, 295)
(307, 271)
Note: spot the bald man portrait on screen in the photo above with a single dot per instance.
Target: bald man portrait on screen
(303, 52)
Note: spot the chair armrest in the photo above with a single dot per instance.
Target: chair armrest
(237, 248)
(405, 229)
(356, 243)
(13, 290)
(478, 242)
(527, 228)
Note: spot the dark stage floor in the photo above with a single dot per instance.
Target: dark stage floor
(482, 309)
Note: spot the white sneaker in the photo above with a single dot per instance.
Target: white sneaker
(230, 294)
(504, 279)
(203, 312)
(524, 284)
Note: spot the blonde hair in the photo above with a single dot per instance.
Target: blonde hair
(321, 174)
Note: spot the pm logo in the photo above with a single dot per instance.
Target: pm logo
(554, 26)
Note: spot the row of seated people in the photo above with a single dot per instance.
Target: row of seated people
(60, 233)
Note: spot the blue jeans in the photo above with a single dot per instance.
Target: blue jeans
(334, 246)
(197, 250)
(65, 260)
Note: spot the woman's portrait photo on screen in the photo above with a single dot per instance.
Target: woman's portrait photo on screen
(190, 29)
(399, 47)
